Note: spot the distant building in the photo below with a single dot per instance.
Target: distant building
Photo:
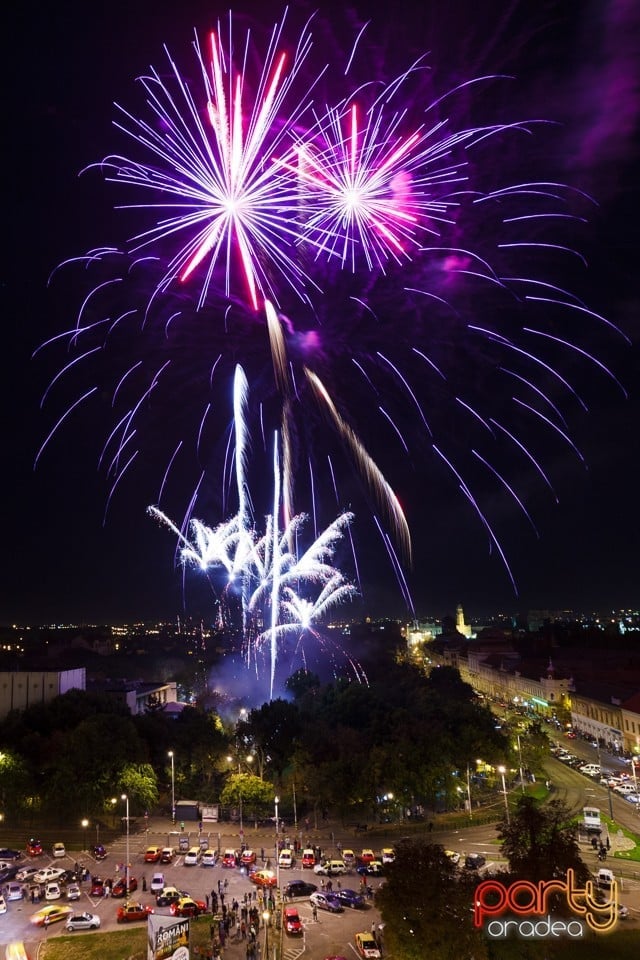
(142, 697)
(20, 690)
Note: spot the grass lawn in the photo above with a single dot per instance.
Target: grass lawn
(129, 943)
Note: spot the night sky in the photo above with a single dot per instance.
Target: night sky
(574, 63)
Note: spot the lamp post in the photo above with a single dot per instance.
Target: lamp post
(520, 759)
(266, 916)
(469, 792)
(634, 761)
(126, 868)
(276, 802)
(173, 787)
(84, 825)
(502, 771)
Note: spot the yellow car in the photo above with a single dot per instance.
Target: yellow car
(367, 946)
(51, 914)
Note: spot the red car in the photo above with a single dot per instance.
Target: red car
(152, 854)
(119, 888)
(97, 887)
(187, 907)
(308, 858)
(291, 920)
(229, 859)
(34, 848)
(263, 878)
(248, 858)
(129, 912)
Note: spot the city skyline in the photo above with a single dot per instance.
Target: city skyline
(61, 563)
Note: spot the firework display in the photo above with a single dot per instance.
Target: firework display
(352, 257)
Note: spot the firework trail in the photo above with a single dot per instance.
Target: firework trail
(394, 302)
(274, 580)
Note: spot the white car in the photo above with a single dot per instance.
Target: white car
(624, 789)
(209, 858)
(157, 883)
(331, 868)
(48, 874)
(52, 891)
(192, 857)
(26, 873)
(13, 891)
(286, 858)
(73, 891)
(82, 921)
(3, 904)
(59, 850)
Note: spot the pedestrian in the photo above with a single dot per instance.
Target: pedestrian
(206, 900)
(144, 883)
(314, 911)
(262, 854)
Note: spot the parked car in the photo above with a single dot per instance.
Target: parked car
(157, 883)
(308, 858)
(131, 912)
(350, 898)
(13, 891)
(388, 855)
(34, 848)
(73, 891)
(3, 904)
(263, 878)
(99, 852)
(474, 861)
(349, 857)
(453, 855)
(187, 907)
(82, 921)
(366, 946)
(326, 901)
(299, 888)
(47, 874)
(367, 855)
(624, 789)
(59, 850)
(192, 857)
(229, 858)
(247, 858)
(97, 887)
(26, 873)
(152, 854)
(50, 914)
(6, 853)
(291, 921)
(119, 889)
(166, 855)
(52, 891)
(209, 858)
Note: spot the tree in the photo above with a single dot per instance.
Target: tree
(250, 792)
(426, 906)
(540, 842)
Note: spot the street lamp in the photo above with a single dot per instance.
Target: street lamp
(173, 788)
(502, 771)
(520, 759)
(266, 916)
(84, 824)
(276, 802)
(126, 874)
(469, 792)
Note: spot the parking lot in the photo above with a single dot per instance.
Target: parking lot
(326, 934)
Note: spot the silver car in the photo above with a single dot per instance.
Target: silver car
(83, 921)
